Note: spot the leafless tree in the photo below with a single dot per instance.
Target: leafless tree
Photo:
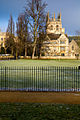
(9, 43)
(35, 11)
(22, 31)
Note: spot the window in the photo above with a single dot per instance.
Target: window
(54, 49)
(55, 42)
(62, 54)
(51, 28)
(72, 47)
(62, 42)
(57, 27)
(1, 39)
(62, 48)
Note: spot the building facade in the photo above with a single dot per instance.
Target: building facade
(56, 42)
(2, 39)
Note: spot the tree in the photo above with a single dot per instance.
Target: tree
(10, 43)
(18, 47)
(35, 11)
(22, 31)
(2, 50)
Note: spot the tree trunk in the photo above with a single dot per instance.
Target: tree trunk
(12, 51)
(16, 55)
(25, 51)
(5, 51)
(34, 48)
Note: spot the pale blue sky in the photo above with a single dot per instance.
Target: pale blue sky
(70, 10)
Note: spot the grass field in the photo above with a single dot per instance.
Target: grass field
(23, 111)
(19, 76)
(65, 63)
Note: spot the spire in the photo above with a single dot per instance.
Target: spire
(48, 17)
(60, 15)
(54, 16)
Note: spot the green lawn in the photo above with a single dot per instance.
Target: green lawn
(20, 76)
(24, 111)
(68, 63)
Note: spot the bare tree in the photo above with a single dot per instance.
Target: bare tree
(18, 47)
(22, 31)
(35, 11)
(9, 43)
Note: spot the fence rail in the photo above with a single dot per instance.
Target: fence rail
(40, 78)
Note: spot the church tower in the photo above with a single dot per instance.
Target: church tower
(54, 26)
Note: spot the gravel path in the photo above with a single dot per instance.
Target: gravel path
(40, 97)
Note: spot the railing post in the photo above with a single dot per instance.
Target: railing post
(1, 78)
(78, 77)
(5, 78)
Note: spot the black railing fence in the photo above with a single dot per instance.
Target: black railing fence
(40, 78)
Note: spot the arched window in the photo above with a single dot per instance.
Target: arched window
(57, 27)
(72, 47)
(51, 27)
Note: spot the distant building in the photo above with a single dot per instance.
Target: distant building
(57, 42)
(2, 39)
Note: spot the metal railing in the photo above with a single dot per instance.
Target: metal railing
(40, 78)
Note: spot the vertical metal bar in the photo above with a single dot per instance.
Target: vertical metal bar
(32, 78)
(74, 78)
(1, 78)
(65, 78)
(46, 79)
(5, 78)
(36, 78)
(42, 79)
(78, 79)
(55, 78)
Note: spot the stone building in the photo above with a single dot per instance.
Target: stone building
(2, 39)
(56, 42)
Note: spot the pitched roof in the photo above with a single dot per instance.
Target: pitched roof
(53, 36)
(78, 42)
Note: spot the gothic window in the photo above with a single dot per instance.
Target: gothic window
(55, 42)
(51, 27)
(62, 48)
(54, 49)
(2, 39)
(62, 42)
(57, 27)
(72, 47)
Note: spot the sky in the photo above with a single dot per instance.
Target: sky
(70, 11)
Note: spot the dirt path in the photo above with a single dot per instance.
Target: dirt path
(40, 97)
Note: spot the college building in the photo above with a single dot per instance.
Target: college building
(2, 39)
(57, 43)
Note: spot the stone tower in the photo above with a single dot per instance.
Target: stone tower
(54, 26)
